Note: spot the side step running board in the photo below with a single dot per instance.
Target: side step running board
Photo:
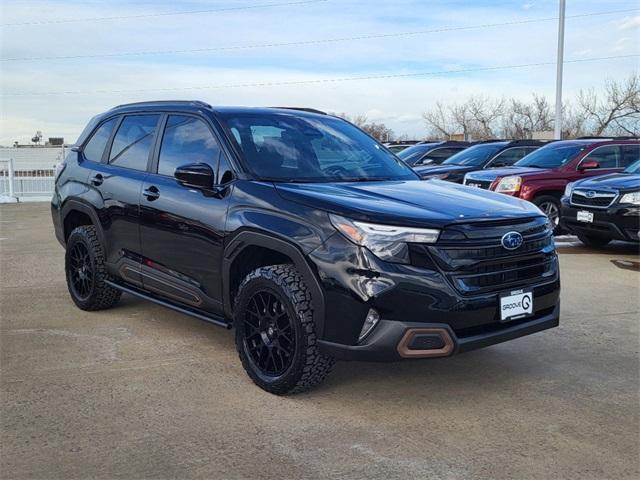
(216, 320)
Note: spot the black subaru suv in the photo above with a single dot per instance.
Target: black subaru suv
(605, 208)
(488, 154)
(302, 232)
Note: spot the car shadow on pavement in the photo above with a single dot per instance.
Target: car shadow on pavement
(493, 368)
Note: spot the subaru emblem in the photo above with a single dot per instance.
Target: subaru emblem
(590, 194)
(512, 240)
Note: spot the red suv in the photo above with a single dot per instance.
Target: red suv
(542, 176)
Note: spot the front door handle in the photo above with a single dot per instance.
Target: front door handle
(151, 193)
(97, 180)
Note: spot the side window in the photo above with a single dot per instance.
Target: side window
(187, 139)
(607, 156)
(630, 154)
(440, 154)
(133, 141)
(95, 147)
(508, 157)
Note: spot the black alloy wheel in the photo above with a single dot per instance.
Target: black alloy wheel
(81, 271)
(268, 333)
(86, 272)
(276, 332)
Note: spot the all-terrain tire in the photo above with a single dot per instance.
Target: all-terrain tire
(594, 241)
(95, 293)
(307, 366)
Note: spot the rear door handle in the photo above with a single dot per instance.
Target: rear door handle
(97, 180)
(151, 193)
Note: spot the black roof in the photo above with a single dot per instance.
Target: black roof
(199, 105)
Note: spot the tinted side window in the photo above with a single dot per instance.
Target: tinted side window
(607, 156)
(630, 154)
(509, 156)
(133, 141)
(187, 139)
(441, 153)
(95, 147)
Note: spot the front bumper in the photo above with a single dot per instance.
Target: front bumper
(386, 341)
(617, 222)
(421, 297)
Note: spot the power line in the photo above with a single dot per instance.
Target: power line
(159, 14)
(317, 81)
(309, 42)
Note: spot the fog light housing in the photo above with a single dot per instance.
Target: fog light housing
(370, 322)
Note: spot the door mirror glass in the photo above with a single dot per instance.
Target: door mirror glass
(589, 164)
(198, 175)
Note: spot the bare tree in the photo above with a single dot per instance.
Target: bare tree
(377, 130)
(440, 121)
(617, 111)
(476, 118)
(485, 113)
(574, 121)
(521, 119)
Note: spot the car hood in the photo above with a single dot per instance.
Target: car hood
(428, 170)
(493, 173)
(620, 181)
(428, 203)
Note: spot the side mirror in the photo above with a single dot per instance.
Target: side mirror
(589, 165)
(197, 175)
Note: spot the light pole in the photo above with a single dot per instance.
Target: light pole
(557, 133)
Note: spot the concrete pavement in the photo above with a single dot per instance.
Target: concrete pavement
(139, 391)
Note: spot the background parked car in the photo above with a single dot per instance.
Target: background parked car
(542, 176)
(431, 153)
(399, 145)
(604, 208)
(491, 154)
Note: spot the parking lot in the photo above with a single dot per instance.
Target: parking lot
(143, 392)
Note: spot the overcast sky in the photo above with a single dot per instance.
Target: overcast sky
(32, 29)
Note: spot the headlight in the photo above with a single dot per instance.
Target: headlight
(387, 242)
(509, 185)
(568, 189)
(632, 197)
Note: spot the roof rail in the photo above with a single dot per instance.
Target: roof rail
(491, 140)
(452, 143)
(611, 137)
(391, 143)
(526, 141)
(164, 102)
(304, 109)
(594, 137)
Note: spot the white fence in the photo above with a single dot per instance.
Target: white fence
(27, 174)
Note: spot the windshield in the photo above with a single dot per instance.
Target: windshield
(473, 156)
(412, 154)
(551, 156)
(299, 148)
(633, 168)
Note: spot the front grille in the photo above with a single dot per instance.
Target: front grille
(472, 182)
(592, 198)
(473, 259)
